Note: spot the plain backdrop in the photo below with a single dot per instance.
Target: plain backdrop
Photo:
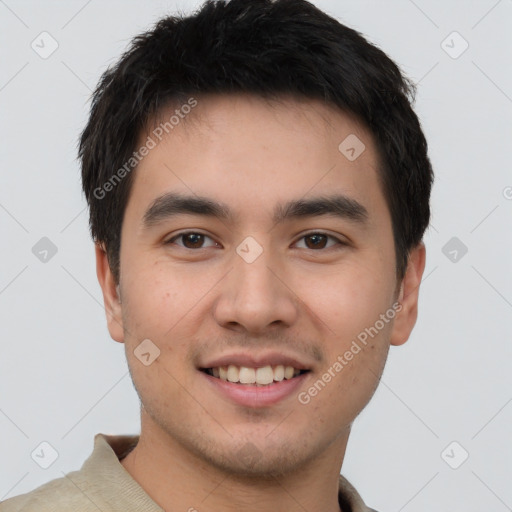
(445, 395)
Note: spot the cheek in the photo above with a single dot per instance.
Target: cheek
(357, 340)
(159, 306)
(156, 311)
(159, 386)
(345, 385)
(155, 299)
(352, 298)
(336, 397)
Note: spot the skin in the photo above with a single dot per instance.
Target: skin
(198, 304)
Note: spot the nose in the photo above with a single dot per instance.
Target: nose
(256, 296)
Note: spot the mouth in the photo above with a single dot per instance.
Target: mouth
(260, 377)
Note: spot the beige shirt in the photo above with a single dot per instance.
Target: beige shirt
(103, 485)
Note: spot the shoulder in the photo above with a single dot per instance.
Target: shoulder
(57, 495)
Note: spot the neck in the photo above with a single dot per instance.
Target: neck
(177, 479)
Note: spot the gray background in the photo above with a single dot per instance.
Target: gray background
(62, 379)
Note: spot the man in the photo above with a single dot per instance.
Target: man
(259, 188)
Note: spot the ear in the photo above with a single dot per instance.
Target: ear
(408, 297)
(111, 297)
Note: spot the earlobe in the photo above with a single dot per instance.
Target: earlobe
(111, 294)
(408, 296)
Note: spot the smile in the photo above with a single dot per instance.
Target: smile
(264, 376)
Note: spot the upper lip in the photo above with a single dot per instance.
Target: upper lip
(256, 361)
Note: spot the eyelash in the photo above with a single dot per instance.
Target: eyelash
(340, 243)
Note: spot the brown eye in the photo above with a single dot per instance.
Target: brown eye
(317, 241)
(191, 240)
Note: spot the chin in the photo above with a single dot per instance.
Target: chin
(253, 465)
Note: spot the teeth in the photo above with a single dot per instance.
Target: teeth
(279, 373)
(247, 375)
(259, 376)
(233, 373)
(288, 372)
(264, 375)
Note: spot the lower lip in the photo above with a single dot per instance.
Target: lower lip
(256, 396)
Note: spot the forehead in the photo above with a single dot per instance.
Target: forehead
(253, 153)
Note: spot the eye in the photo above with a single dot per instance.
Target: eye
(194, 240)
(318, 240)
(191, 240)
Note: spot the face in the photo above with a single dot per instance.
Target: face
(252, 243)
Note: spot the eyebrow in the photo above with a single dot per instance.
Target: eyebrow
(173, 204)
